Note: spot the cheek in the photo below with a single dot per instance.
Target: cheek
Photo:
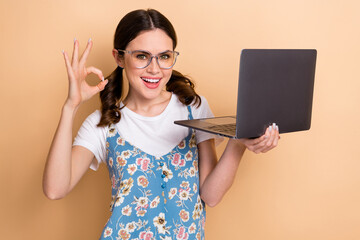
(131, 70)
(128, 64)
(132, 74)
(167, 74)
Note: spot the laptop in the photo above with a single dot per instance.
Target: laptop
(275, 86)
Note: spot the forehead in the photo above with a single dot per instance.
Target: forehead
(154, 41)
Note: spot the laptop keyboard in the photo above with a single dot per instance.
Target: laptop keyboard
(225, 128)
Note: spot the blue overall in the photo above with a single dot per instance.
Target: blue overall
(154, 197)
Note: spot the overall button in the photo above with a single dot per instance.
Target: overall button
(163, 185)
(161, 164)
(163, 176)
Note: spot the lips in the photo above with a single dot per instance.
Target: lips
(151, 82)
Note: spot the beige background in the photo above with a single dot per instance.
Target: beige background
(307, 188)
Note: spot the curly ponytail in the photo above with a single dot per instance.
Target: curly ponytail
(110, 98)
(183, 87)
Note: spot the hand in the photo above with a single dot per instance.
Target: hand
(264, 143)
(79, 89)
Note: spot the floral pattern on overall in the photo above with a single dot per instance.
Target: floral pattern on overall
(154, 197)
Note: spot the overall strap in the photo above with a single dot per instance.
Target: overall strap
(190, 116)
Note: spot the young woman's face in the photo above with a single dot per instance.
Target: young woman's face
(147, 83)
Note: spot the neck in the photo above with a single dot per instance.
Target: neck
(148, 107)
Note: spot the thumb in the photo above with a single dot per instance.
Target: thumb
(102, 85)
(98, 88)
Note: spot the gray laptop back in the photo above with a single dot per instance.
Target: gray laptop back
(275, 86)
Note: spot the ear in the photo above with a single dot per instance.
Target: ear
(118, 58)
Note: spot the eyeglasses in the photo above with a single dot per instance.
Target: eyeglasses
(142, 59)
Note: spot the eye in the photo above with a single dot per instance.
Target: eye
(165, 56)
(141, 56)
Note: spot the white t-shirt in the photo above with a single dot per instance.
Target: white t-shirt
(156, 136)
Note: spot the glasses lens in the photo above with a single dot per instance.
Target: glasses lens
(140, 58)
(166, 59)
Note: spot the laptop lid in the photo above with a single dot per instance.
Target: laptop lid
(275, 86)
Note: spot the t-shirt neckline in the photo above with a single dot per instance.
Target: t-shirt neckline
(145, 118)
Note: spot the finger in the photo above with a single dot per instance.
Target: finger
(261, 144)
(276, 141)
(268, 148)
(96, 71)
(75, 55)
(86, 53)
(272, 143)
(269, 142)
(255, 141)
(277, 127)
(68, 66)
(273, 133)
(277, 136)
(252, 143)
(95, 89)
(102, 84)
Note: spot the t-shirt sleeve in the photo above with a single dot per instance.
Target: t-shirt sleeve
(204, 111)
(93, 138)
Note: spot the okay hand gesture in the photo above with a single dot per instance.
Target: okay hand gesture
(79, 89)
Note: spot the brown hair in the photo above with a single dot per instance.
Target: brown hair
(128, 29)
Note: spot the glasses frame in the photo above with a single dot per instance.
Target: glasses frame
(151, 57)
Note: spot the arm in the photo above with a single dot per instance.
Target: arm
(65, 165)
(216, 177)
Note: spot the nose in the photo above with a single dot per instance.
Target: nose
(153, 66)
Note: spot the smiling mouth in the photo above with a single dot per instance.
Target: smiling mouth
(151, 80)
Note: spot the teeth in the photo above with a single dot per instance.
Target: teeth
(150, 80)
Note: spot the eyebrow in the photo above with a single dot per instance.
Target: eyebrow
(140, 50)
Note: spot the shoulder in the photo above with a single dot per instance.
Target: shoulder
(203, 110)
(91, 122)
(204, 103)
(94, 117)
(89, 130)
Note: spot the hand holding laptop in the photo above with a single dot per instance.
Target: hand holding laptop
(264, 143)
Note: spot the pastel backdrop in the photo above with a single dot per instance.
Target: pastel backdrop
(307, 188)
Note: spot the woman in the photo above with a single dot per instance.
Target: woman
(162, 175)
